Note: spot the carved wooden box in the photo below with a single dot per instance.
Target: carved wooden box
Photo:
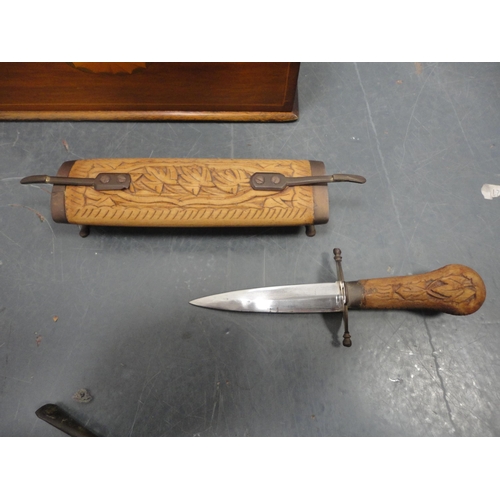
(186, 192)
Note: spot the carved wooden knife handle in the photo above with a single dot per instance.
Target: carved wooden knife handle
(453, 289)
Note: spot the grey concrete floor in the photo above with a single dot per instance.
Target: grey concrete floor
(426, 137)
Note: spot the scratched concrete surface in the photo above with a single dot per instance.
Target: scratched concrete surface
(426, 137)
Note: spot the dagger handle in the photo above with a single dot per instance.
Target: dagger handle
(452, 289)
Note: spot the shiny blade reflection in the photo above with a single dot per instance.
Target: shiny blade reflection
(310, 298)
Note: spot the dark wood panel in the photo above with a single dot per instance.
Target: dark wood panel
(149, 91)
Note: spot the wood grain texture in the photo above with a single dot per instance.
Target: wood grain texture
(149, 91)
(189, 193)
(453, 289)
(123, 116)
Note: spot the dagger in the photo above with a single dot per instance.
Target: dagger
(453, 289)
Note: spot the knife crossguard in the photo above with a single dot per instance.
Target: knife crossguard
(337, 255)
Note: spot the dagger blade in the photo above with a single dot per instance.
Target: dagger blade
(309, 298)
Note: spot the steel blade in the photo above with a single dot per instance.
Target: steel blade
(310, 298)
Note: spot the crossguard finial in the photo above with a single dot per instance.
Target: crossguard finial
(337, 255)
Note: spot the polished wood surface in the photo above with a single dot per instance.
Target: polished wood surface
(453, 289)
(149, 91)
(188, 193)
